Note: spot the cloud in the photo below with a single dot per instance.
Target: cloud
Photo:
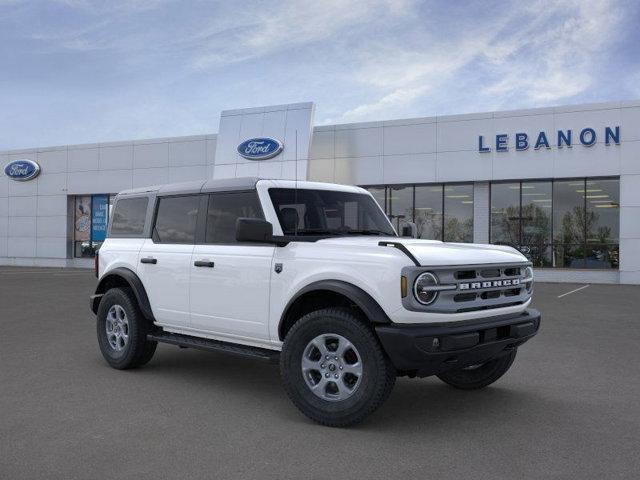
(287, 25)
(541, 53)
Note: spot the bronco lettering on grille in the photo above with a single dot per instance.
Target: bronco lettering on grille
(489, 284)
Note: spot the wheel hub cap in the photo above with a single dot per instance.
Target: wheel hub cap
(117, 328)
(332, 367)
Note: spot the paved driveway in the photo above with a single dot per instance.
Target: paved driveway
(569, 408)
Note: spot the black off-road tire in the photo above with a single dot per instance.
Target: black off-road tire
(481, 376)
(138, 350)
(376, 383)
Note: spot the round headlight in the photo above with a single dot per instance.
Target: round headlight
(528, 277)
(422, 288)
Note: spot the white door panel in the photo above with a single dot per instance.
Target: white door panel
(232, 296)
(167, 281)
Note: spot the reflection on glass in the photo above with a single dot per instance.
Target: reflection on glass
(458, 213)
(428, 211)
(536, 222)
(400, 206)
(569, 223)
(505, 214)
(378, 194)
(603, 211)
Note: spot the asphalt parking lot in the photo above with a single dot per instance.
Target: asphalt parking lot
(569, 408)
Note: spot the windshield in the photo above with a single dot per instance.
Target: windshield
(328, 212)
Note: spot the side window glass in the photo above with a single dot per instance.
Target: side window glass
(129, 216)
(224, 209)
(176, 219)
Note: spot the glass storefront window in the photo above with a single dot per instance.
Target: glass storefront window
(440, 212)
(458, 213)
(400, 202)
(603, 223)
(536, 201)
(564, 223)
(505, 214)
(428, 211)
(91, 217)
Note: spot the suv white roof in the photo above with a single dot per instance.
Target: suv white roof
(229, 184)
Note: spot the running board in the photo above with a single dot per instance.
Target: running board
(188, 341)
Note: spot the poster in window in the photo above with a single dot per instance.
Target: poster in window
(82, 229)
(99, 209)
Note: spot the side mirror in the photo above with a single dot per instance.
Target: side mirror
(410, 230)
(254, 230)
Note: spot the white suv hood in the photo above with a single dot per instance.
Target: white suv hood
(435, 253)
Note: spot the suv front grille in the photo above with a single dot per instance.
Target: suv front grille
(464, 289)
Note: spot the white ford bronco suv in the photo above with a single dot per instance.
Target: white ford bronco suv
(314, 276)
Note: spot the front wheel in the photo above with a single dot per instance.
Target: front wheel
(479, 376)
(334, 369)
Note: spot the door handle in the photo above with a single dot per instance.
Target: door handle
(149, 260)
(203, 263)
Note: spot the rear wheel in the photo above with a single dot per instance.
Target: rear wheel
(479, 376)
(334, 369)
(122, 331)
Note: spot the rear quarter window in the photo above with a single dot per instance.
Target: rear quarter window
(129, 216)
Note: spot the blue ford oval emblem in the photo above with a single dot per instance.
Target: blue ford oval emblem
(22, 170)
(260, 148)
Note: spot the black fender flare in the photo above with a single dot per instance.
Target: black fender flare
(365, 302)
(133, 281)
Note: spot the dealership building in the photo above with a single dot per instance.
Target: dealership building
(562, 184)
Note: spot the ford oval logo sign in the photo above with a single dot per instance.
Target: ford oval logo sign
(22, 170)
(260, 148)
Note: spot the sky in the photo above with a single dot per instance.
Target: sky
(80, 71)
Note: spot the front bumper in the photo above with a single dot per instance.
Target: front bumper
(426, 349)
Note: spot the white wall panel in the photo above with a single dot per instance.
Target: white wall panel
(117, 157)
(359, 171)
(187, 174)
(22, 189)
(22, 227)
(463, 166)
(51, 247)
(52, 183)
(188, 153)
(630, 124)
(21, 246)
(463, 135)
(83, 159)
(52, 226)
(322, 170)
(415, 168)
(51, 205)
(113, 181)
(420, 138)
(52, 161)
(322, 144)
(83, 183)
(4, 207)
(630, 157)
(151, 155)
(144, 177)
(358, 142)
(22, 206)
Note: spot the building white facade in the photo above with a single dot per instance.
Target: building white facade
(412, 161)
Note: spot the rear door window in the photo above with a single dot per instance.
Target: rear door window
(176, 219)
(129, 216)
